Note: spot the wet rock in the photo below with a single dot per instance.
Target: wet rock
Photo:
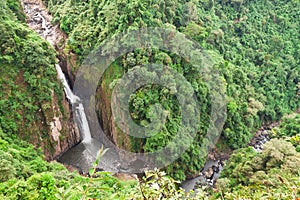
(126, 176)
(98, 169)
(210, 182)
(37, 19)
(215, 168)
(221, 163)
(209, 173)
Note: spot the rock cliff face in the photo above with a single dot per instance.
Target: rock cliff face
(63, 133)
(106, 118)
(56, 131)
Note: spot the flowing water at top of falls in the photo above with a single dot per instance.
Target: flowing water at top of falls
(73, 99)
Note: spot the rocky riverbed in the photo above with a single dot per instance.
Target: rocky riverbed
(216, 160)
(39, 20)
(262, 136)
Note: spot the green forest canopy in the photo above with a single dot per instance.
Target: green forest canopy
(256, 44)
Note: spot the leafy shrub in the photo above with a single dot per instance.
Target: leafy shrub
(275, 169)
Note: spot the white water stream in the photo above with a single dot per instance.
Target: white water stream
(75, 101)
(39, 20)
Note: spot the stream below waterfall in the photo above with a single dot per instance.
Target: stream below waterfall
(213, 166)
(83, 155)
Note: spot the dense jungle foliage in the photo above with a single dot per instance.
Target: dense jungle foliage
(289, 130)
(272, 174)
(256, 48)
(29, 85)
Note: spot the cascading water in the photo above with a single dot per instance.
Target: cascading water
(73, 99)
(70, 96)
(84, 124)
(79, 109)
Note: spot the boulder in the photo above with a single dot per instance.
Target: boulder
(209, 173)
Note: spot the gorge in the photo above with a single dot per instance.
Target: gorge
(82, 155)
(45, 117)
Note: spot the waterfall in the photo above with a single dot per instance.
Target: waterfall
(70, 96)
(85, 129)
(79, 109)
(84, 154)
